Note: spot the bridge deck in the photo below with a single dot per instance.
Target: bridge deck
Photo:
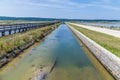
(22, 26)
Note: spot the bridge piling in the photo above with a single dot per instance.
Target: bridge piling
(9, 32)
(21, 27)
(3, 33)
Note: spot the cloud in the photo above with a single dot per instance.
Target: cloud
(45, 5)
(106, 1)
(30, 3)
(110, 7)
(99, 4)
(64, 4)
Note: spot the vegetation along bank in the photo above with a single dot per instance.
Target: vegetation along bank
(12, 45)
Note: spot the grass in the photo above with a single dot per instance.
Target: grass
(8, 43)
(109, 42)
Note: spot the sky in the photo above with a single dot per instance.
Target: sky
(72, 9)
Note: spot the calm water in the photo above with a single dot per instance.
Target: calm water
(73, 64)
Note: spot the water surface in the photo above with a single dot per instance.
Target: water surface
(72, 64)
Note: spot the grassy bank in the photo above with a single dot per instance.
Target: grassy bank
(8, 43)
(109, 42)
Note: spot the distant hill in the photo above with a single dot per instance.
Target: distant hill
(26, 18)
(52, 19)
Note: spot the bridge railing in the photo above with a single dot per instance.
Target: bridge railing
(22, 27)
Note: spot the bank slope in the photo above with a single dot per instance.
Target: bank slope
(108, 59)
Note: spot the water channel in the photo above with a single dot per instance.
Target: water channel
(72, 63)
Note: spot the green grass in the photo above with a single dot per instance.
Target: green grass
(109, 42)
(7, 43)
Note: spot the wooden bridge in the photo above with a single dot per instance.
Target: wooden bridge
(21, 27)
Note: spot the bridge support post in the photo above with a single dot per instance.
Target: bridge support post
(3, 33)
(9, 32)
(22, 29)
(25, 29)
(19, 30)
(15, 31)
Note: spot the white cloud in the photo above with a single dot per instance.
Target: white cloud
(106, 0)
(66, 4)
(110, 7)
(45, 5)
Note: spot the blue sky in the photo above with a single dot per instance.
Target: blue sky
(79, 9)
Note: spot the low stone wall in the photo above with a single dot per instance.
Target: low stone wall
(4, 59)
(109, 60)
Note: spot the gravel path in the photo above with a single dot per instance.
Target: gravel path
(103, 30)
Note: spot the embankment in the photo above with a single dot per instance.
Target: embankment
(109, 60)
(16, 50)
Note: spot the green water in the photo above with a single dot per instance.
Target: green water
(72, 64)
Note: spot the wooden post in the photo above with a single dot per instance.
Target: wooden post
(26, 29)
(9, 32)
(15, 31)
(3, 33)
(18, 30)
(22, 29)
